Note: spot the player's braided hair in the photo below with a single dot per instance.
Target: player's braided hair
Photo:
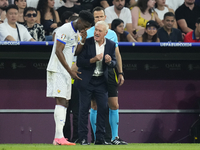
(86, 16)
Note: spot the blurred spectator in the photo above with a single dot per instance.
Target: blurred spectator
(48, 17)
(128, 3)
(58, 4)
(119, 11)
(167, 33)
(142, 13)
(32, 3)
(194, 36)
(69, 6)
(36, 30)
(150, 34)
(89, 4)
(11, 30)
(117, 25)
(174, 4)
(160, 10)
(186, 15)
(131, 3)
(21, 4)
(9, 1)
(3, 6)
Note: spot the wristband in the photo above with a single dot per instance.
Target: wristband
(82, 43)
(121, 73)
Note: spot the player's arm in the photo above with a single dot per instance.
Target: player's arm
(59, 53)
(119, 66)
(81, 43)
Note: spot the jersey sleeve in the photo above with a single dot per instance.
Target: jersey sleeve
(61, 34)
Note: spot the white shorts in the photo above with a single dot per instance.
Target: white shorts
(58, 85)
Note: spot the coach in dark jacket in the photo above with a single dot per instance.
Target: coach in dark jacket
(96, 56)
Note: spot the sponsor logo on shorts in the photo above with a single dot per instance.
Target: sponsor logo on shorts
(58, 91)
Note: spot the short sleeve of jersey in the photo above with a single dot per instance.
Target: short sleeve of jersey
(179, 13)
(61, 33)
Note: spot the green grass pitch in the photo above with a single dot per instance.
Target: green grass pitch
(134, 146)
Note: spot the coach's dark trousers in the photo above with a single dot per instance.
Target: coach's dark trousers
(96, 88)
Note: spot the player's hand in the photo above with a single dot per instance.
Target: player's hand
(99, 57)
(83, 34)
(107, 58)
(120, 79)
(74, 75)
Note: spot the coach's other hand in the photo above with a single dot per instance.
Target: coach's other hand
(107, 58)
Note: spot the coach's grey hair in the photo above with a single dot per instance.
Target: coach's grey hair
(103, 23)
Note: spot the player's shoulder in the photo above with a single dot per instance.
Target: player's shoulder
(111, 35)
(66, 28)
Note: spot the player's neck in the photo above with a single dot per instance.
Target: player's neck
(74, 25)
